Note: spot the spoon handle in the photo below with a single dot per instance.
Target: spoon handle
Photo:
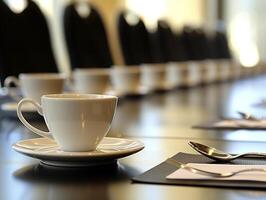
(253, 155)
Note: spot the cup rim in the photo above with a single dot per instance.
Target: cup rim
(42, 76)
(78, 97)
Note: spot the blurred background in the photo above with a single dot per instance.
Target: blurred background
(240, 20)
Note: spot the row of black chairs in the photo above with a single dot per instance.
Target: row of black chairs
(164, 45)
(25, 44)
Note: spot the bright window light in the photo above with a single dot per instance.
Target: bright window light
(248, 55)
(17, 6)
(150, 10)
(242, 40)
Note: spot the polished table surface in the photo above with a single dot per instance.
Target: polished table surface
(163, 123)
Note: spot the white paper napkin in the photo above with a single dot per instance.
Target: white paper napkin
(220, 168)
(239, 123)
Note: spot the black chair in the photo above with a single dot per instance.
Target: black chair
(220, 46)
(167, 42)
(196, 42)
(25, 45)
(86, 39)
(155, 47)
(186, 37)
(203, 45)
(166, 45)
(181, 53)
(134, 40)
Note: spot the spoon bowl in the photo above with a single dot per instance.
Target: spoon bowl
(247, 116)
(219, 155)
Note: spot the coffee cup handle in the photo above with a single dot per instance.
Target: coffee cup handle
(26, 123)
(7, 83)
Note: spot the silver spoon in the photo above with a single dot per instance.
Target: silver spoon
(219, 155)
(194, 170)
(243, 115)
(247, 116)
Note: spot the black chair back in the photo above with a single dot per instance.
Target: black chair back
(196, 43)
(181, 53)
(166, 46)
(25, 45)
(134, 40)
(220, 46)
(167, 42)
(86, 39)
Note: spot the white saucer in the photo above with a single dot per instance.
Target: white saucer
(48, 152)
(10, 110)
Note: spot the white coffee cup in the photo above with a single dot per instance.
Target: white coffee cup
(126, 79)
(177, 74)
(77, 122)
(183, 74)
(209, 71)
(153, 76)
(224, 69)
(34, 85)
(91, 80)
(194, 75)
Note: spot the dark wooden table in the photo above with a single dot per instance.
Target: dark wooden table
(162, 121)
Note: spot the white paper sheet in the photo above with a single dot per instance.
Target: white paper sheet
(220, 168)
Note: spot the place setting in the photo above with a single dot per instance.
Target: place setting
(127, 99)
(246, 121)
(78, 125)
(210, 168)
